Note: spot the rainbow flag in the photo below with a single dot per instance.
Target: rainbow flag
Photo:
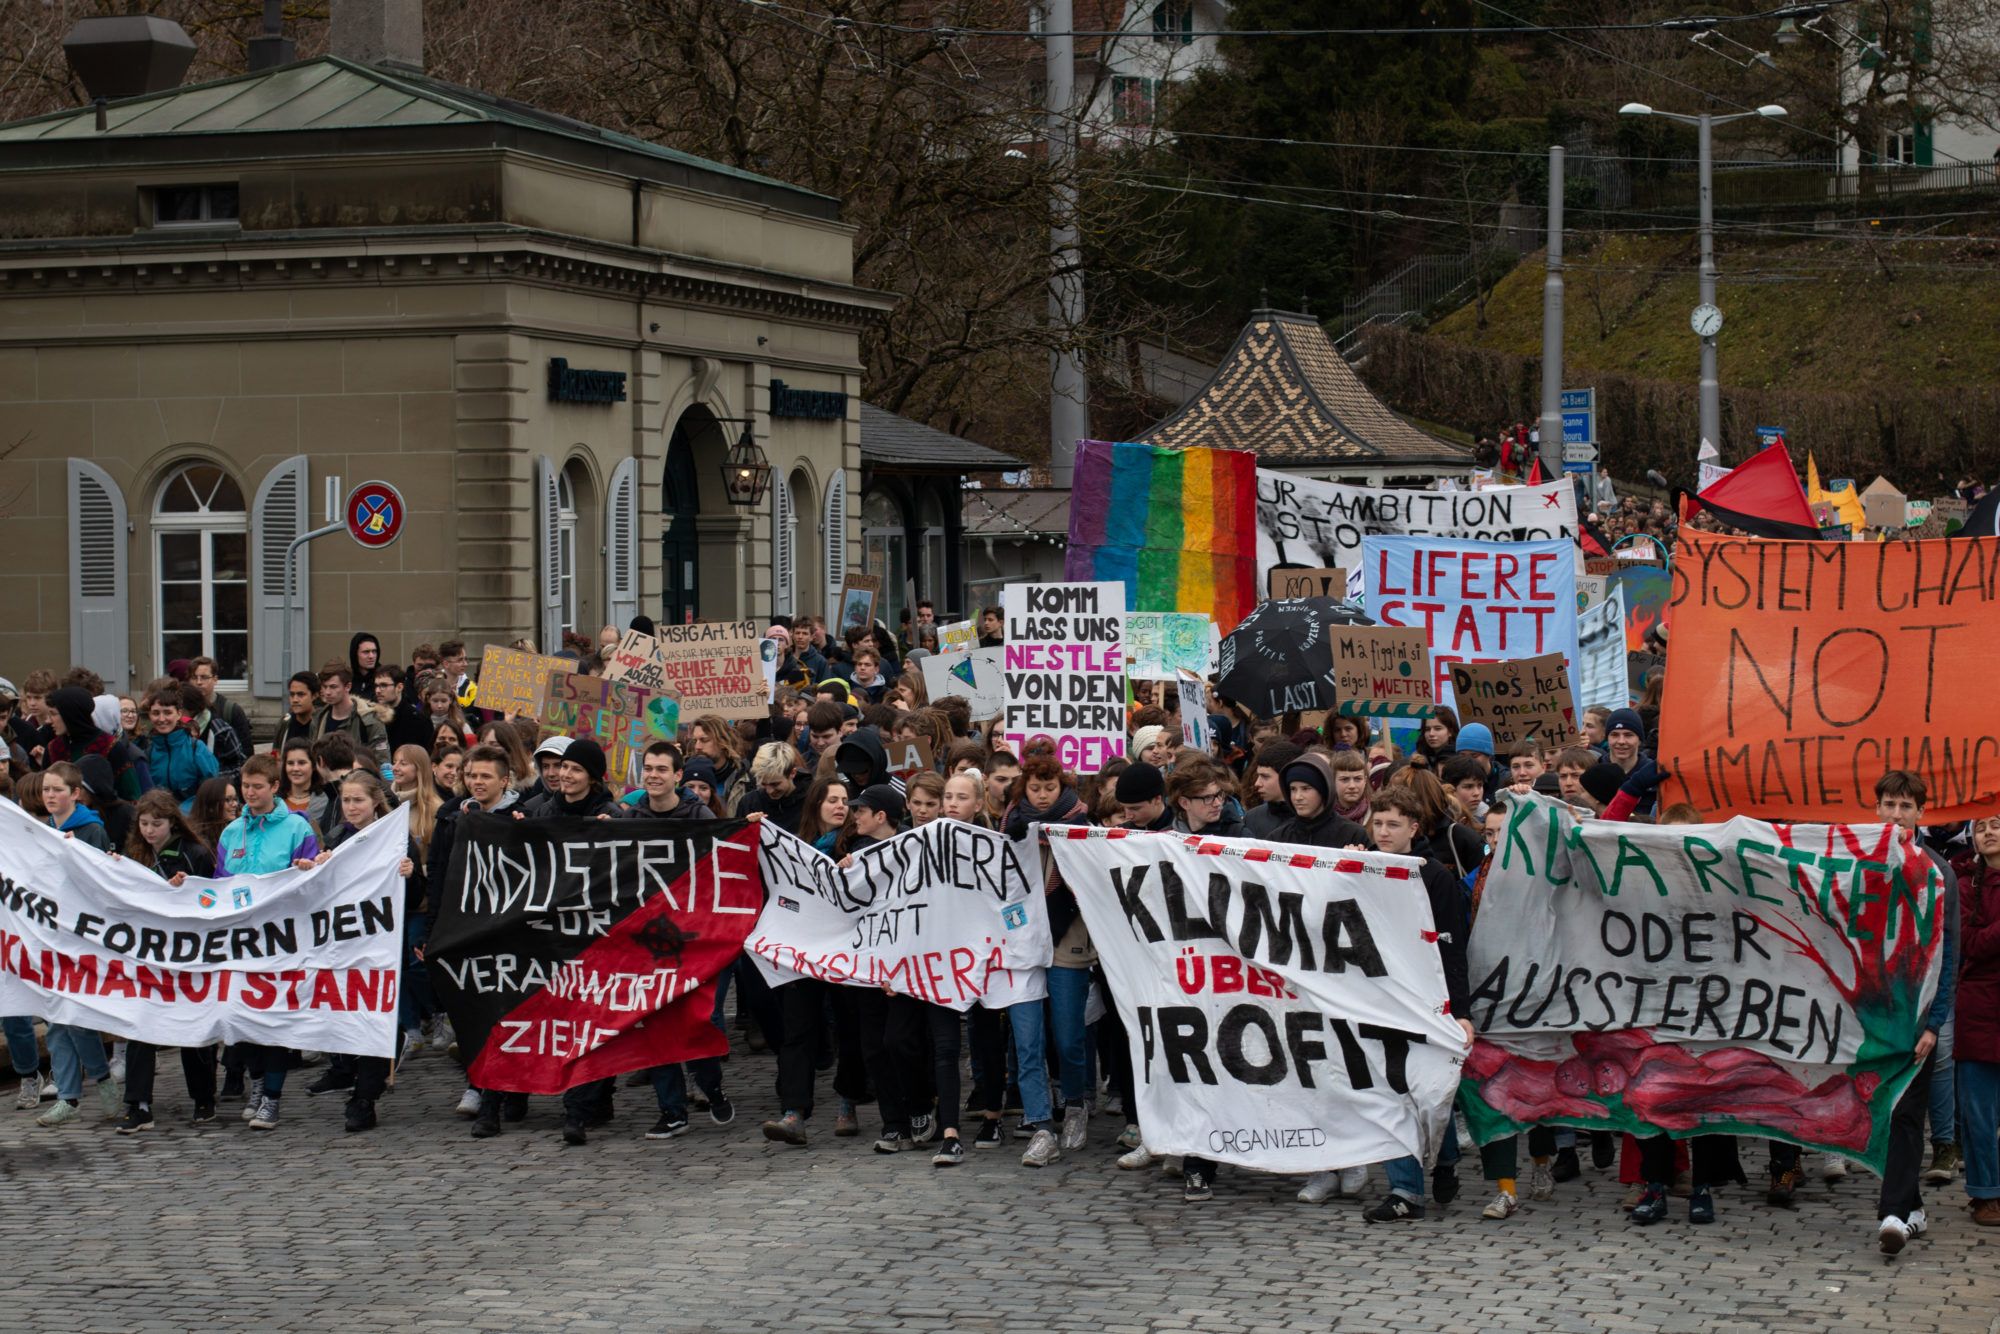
(1177, 526)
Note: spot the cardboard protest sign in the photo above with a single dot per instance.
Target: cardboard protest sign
(1476, 601)
(624, 717)
(1322, 524)
(857, 601)
(712, 666)
(1065, 671)
(514, 681)
(957, 636)
(1193, 699)
(975, 675)
(1523, 699)
(1286, 1008)
(1159, 644)
(1600, 672)
(909, 758)
(1884, 505)
(307, 959)
(1381, 671)
(1720, 979)
(1639, 549)
(568, 950)
(946, 913)
(1292, 581)
(1802, 671)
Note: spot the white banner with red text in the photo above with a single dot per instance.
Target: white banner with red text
(946, 912)
(1286, 1008)
(306, 959)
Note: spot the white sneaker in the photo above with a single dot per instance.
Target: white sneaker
(60, 1114)
(111, 1099)
(1353, 1180)
(468, 1103)
(117, 1063)
(413, 1042)
(49, 1089)
(1503, 1206)
(1541, 1182)
(1136, 1160)
(1834, 1168)
(31, 1093)
(1917, 1223)
(1319, 1188)
(1129, 1137)
(252, 1101)
(1075, 1126)
(267, 1115)
(1043, 1149)
(1170, 1165)
(1892, 1235)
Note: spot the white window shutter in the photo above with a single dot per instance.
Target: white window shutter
(277, 517)
(99, 626)
(621, 544)
(784, 548)
(834, 527)
(548, 556)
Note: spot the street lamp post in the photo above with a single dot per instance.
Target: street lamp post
(1707, 317)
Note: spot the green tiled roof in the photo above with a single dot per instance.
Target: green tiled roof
(331, 93)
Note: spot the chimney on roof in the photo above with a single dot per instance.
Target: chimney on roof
(271, 48)
(126, 55)
(389, 33)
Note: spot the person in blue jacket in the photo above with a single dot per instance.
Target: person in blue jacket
(179, 760)
(265, 838)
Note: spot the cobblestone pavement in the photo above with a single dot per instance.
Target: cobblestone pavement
(417, 1226)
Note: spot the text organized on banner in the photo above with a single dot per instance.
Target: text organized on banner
(946, 913)
(624, 717)
(712, 666)
(1064, 673)
(1286, 1009)
(1802, 671)
(1304, 522)
(567, 950)
(1475, 601)
(307, 959)
(1738, 978)
(1522, 699)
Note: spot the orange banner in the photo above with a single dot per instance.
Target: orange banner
(1800, 672)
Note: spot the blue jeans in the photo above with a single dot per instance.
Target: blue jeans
(1069, 996)
(670, 1081)
(1944, 1090)
(1406, 1178)
(21, 1048)
(1030, 1048)
(73, 1053)
(1979, 1094)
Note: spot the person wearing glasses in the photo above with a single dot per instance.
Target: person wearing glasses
(1198, 793)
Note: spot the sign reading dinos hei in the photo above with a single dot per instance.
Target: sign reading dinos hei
(568, 385)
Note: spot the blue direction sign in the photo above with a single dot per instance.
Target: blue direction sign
(1579, 414)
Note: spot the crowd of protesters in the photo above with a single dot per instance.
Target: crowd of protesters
(180, 780)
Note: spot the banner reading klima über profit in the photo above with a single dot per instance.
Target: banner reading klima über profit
(1738, 978)
(1286, 1008)
(1800, 672)
(946, 912)
(568, 950)
(1477, 601)
(1064, 671)
(307, 959)
(1304, 522)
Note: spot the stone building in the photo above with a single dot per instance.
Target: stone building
(547, 336)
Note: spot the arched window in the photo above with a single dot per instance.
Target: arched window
(885, 552)
(566, 546)
(201, 550)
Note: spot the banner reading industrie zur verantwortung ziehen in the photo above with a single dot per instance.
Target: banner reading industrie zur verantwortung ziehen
(304, 959)
(1286, 1008)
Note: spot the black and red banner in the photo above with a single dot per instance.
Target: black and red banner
(568, 950)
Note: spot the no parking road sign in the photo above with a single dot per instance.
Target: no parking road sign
(374, 514)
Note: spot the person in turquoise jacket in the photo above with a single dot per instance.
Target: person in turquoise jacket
(179, 760)
(265, 838)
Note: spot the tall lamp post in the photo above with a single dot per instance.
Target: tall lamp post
(1707, 318)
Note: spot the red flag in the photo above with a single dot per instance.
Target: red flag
(1762, 497)
(1535, 477)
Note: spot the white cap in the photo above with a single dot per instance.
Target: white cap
(555, 745)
